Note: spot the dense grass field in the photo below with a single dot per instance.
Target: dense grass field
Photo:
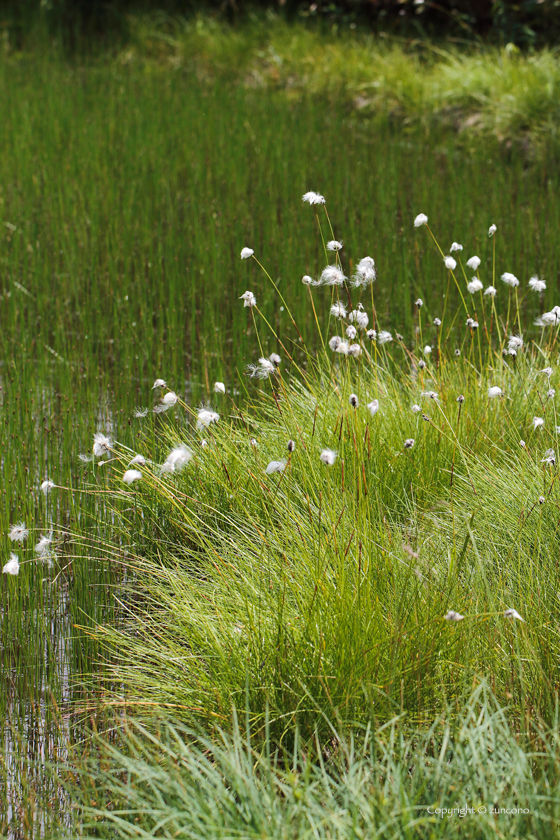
(127, 191)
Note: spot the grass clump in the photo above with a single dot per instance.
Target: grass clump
(270, 572)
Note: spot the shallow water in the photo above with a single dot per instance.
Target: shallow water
(125, 199)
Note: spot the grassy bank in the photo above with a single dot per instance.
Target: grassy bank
(477, 89)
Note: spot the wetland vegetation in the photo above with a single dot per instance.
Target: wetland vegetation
(310, 599)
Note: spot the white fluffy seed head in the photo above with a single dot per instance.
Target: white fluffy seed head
(383, 337)
(275, 466)
(354, 350)
(372, 334)
(351, 331)
(12, 566)
(313, 198)
(334, 342)
(18, 533)
(453, 616)
(474, 286)
(492, 230)
(490, 290)
(307, 280)
(474, 262)
(170, 399)
(549, 319)
(261, 370)
(101, 444)
(159, 383)
(275, 359)
(511, 613)
(43, 545)
(510, 279)
(177, 459)
(332, 276)
(373, 407)
(205, 417)
(47, 485)
(538, 422)
(353, 400)
(421, 219)
(334, 245)
(409, 443)
(131, 475)
(494, 391)
(248, 299)
(416, 408)
(365, 273)
(537, 285)
(291, 445)
(138, 460)
(360, 318)
(246, 253)
(456, 247)
(219, 388)
(437, 322)
(328, 457)
(338, 310)
(450, 263)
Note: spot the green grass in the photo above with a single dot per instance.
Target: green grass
(386, 781)
(127, 190)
